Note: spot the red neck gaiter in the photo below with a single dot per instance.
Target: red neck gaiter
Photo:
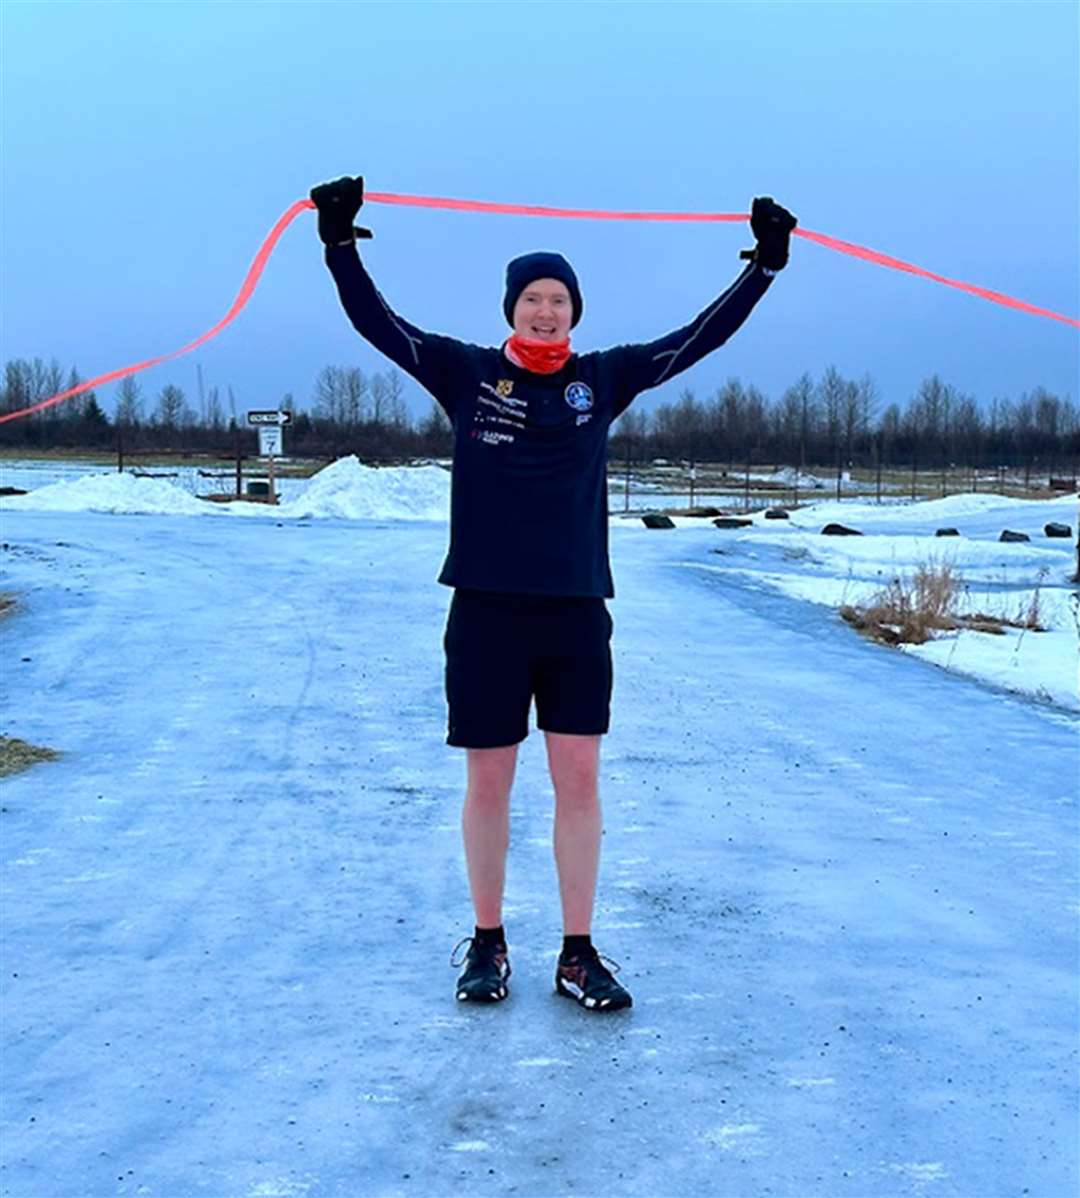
(541, 357)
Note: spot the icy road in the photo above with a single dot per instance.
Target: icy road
(842, 884)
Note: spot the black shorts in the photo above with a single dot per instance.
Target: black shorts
(502, 650)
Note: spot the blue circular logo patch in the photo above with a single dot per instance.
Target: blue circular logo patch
(579, 396)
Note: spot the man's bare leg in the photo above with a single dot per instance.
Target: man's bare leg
(485, 826)
(574, 762)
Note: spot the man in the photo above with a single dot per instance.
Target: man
(528, 556)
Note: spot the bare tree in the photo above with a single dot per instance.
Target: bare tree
(128, 403)
(379, 396)
(171, 405)
(967, 429)
(330, 396)
(74, 409)
(215, 413)
(726, 420)
(926, 416)
(832, 394)
(354, 389)
(397, 413)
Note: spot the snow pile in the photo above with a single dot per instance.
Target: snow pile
(118, 493)
(346, 489)
(351, 491)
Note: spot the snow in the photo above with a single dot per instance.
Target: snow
(998, 579)
(841, 882)
(109, 493)
(352, 491)
(345, 489)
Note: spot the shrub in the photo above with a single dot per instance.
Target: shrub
(910, 610)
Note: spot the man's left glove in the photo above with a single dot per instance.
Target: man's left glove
(772, 226)
(337, 204)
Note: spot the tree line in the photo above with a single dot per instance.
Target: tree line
(827, 421)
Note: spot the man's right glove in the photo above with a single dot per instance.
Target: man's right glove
(337, 204)
(772, 226)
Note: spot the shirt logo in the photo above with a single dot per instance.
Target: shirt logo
(503, 387)
(579, 396)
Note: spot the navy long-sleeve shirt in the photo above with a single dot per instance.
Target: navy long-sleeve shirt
(528, 497)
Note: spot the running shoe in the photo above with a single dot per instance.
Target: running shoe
(590, 984)
(487, 968)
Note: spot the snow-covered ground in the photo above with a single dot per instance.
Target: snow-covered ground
(842, 883)
(998, 579)
(656, 488)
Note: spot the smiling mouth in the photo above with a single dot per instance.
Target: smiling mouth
(543, 332)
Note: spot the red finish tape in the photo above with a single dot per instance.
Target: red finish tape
(411, 201)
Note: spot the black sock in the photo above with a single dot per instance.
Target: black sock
(573, 946)
(490, 935)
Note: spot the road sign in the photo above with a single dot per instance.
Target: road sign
(270, 437)
(266, 416)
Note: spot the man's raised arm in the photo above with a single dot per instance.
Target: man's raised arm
(639, 367)
(427, 357)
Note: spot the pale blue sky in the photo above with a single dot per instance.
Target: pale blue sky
(147, 149)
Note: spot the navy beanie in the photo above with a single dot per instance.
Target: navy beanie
(541, 265)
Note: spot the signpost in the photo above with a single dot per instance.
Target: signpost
(269, 440)
(269, 416)
(271, 425)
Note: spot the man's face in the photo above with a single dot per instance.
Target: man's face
(543, 311)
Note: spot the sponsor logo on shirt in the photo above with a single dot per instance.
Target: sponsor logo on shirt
(491, 438)
(495, 405)
(579, 396)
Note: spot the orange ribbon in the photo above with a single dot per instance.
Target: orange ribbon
(410, 201)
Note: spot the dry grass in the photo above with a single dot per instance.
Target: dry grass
(7, 604)
(910, 610)
(16, 755)
(1032, 617)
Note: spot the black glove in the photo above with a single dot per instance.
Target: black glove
(338, 203)
(772, 226)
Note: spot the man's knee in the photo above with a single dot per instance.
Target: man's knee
(491, 773)
(574, 762)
